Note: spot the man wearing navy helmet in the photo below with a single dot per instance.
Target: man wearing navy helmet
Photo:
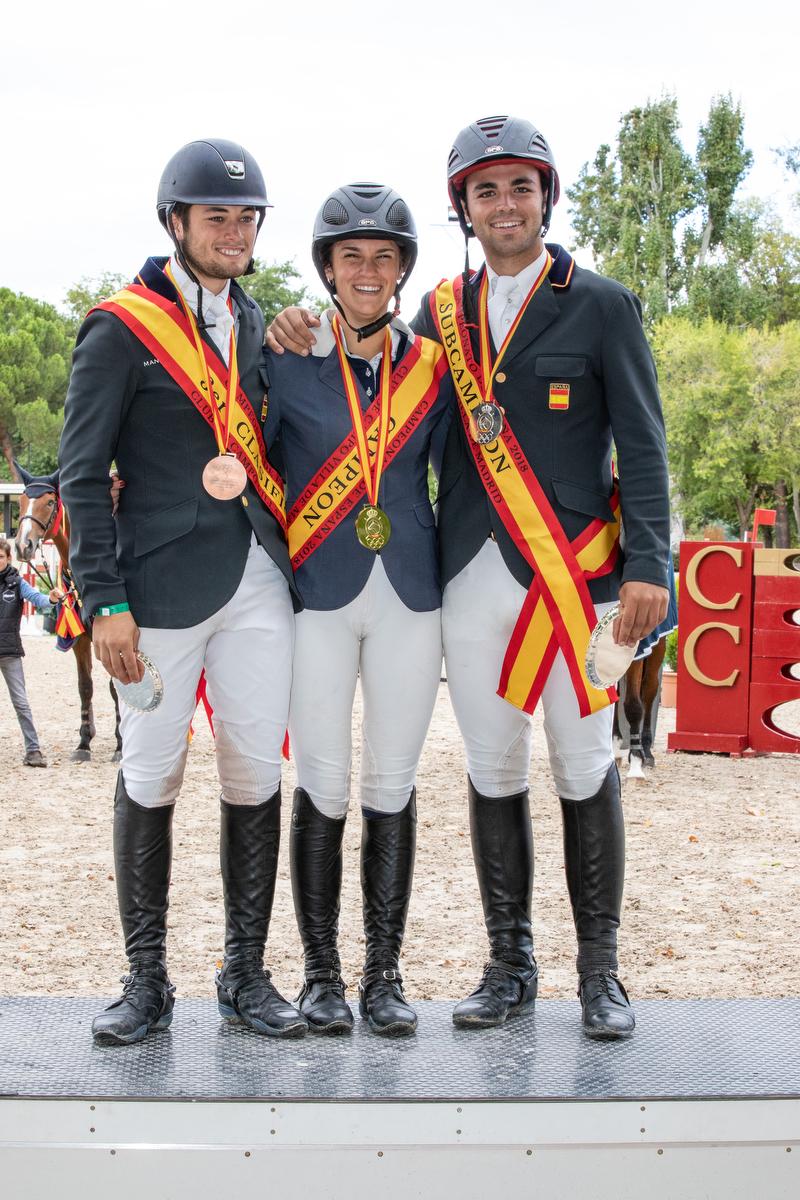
(550, 366)
(529, 520)
(193, 572)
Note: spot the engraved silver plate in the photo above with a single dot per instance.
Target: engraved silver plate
(607, 662)
(145, 695)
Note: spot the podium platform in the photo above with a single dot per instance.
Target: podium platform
(704, 1101)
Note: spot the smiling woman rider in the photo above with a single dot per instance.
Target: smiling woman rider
(363, 547)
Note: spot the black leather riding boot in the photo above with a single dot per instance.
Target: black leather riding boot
(594, 860)
(142, 858)
(250, 837)
(388, 845)
(315, 854)
(502, 847)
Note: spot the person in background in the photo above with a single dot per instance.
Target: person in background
(14, 592)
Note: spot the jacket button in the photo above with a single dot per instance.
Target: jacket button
(245, 501)
(500, 377)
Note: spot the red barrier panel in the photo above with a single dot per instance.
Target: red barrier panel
(738, 639)
(714, 646)
(776, 648)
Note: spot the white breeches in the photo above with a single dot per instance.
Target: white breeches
(246, 650)
(479, 611)
(398, 654)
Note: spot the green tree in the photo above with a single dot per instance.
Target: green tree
(35, 349)
(733, 418)
(273, 287)
(627, 208)
(88, 292)
(775, 355)
(757, 281)
(654, 216)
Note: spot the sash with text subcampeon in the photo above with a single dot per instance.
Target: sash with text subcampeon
(558, 612)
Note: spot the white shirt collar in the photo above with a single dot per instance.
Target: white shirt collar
(212, 304)
(524, 280)
(325, 340)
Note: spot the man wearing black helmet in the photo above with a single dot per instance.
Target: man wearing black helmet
(550, 366)
(363, 545)
(193, 572)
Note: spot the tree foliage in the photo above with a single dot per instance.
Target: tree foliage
(88, 292)
(732, 406)
(668, 225)
(273, 288)
(35, 349)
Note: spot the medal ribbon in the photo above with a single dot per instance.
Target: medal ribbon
(337, 486)
(487, 375)
(69, 625)
(372, 467)
(528, 516)
(221, 426)
(161, 326)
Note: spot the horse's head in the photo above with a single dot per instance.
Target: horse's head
(38, 509)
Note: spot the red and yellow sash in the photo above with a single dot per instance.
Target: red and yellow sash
(339, 483)
(69, 624)
(162, 327)
(558, 612)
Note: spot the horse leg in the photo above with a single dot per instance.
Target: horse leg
(117, 755)
(633, 715)
(83, 661)
(651, 683)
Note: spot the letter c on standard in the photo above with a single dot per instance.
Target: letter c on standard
(693, 587)
(691, 661)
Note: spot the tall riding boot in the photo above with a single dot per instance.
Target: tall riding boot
(250, 836)
(594, 860)
(315, 854)
(502, 846)
(388, 845)
(142, 858)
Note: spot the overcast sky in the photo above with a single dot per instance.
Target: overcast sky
(96, 98)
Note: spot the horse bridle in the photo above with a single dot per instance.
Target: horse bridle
(45, 528)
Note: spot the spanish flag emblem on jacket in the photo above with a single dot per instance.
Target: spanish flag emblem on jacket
(559, 395)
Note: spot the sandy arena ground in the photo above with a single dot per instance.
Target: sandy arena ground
(711, 899)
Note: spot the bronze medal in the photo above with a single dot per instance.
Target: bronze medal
(373, 527)
(224, 477)
(487, 423)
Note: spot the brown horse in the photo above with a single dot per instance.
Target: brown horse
(39, 507)
(638, 693)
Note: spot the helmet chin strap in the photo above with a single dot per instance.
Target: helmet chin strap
(182, 259)
(366, 331)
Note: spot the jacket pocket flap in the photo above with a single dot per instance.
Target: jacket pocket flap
(424, 514)
(561, 366)
(582, 500)
(165, 526)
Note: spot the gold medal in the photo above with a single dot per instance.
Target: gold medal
(372, 524)
(224, 477)
(373, 527)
